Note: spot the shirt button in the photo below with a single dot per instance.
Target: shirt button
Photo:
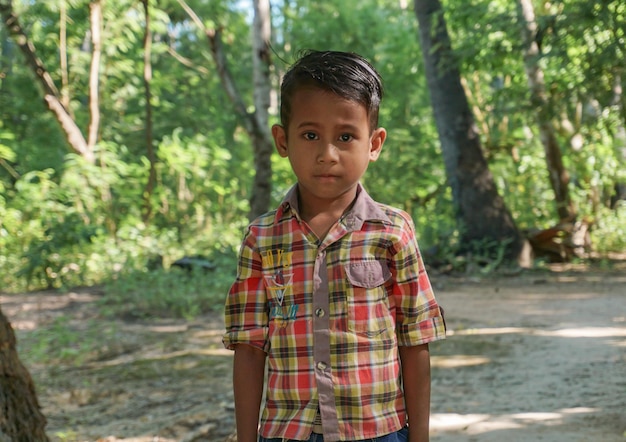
(321, 366)
(320, 312)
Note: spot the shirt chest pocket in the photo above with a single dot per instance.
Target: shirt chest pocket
(366, 297)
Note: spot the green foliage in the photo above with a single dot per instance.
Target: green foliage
(67, 436)
(169, 293)
(85, 227)
(65, 222)
(608, 234)
(64, 342)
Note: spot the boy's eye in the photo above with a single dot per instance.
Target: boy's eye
(310, 136)
(345, 138)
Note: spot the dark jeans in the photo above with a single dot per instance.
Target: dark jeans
(399, 436)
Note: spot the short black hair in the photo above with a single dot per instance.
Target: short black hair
(345, 74)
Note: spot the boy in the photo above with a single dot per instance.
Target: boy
(331, 288)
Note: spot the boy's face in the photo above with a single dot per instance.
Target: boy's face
(328, 143)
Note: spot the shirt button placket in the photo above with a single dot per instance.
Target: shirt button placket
(321, 344)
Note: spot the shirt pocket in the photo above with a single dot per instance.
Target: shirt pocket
(366, 295)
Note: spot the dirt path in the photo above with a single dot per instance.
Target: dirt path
(532, 359)
(538, 357)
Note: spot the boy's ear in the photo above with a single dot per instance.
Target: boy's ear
(376, 143)
(280, 139)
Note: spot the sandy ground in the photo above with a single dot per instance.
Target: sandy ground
(535, 357)
(539, 358)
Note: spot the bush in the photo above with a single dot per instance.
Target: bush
(170, 292)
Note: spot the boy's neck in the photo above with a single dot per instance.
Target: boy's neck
(322, 214)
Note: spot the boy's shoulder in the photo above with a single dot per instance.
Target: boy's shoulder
(391, 215)
(266, 220)
(397, 216)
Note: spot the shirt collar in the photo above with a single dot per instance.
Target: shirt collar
(363, 209)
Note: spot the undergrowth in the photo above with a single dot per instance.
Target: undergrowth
(170, 293)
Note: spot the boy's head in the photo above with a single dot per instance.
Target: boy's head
(345, 74)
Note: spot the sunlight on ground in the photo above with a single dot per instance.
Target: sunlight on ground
(138, 439)
(582, 332)
(585, 332)
(488, 331)
(157, 355)
(38, 304)
(24, 325)
(483, 423)
(456, 361)
(174, 328)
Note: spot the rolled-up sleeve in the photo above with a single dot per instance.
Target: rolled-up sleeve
(419, 318)
(245, 311)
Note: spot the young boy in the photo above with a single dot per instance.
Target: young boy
(331, 289)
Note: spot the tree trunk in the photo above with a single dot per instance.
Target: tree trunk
(147, 79)
(255, 123)
(74, 137)
(261, 137)
(482, 216)
(95, 18)
(21, 419)
(65, 82)
(559, 178)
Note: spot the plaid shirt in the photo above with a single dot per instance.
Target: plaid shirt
(330, 314)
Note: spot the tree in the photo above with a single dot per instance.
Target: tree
(66, 221)
(147, 78)
(480, 211)
(21, 419)
(95, 20)
(558, 175)
(261, 139)
(255, 122)
(52, 97)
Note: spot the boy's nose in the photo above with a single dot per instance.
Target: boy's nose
(327, 153)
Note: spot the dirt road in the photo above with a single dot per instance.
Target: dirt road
(536, 357)
(539, 358)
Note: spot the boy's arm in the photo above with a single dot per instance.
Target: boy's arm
(416, 381)
(248, 380)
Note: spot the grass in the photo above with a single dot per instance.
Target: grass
(169, 293)
(136, 295)
(63, 342)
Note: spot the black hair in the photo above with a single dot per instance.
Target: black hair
(345, 74)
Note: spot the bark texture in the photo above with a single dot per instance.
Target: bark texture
(481, 213)
(95, 19)
(261, 137)
(21, 419)
(558, 175)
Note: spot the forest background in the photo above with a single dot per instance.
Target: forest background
(135, 133)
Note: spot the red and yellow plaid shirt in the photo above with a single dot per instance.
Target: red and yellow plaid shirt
(330, 315)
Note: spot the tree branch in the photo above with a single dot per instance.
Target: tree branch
(94, 80)
(217, 52)
(73, 134)
(186, 62)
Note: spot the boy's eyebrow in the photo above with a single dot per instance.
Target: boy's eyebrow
(344, 126)
(307, 123)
